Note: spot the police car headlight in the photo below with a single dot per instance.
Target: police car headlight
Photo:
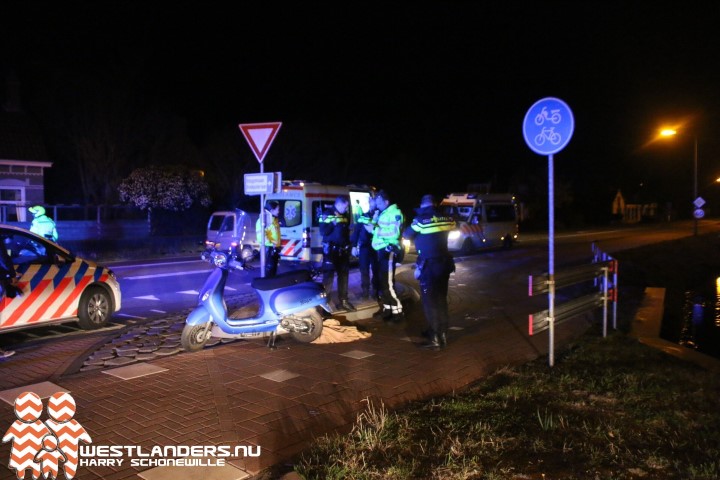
(454, 235)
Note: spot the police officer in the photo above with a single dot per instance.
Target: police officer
(361, 240)
(272, 236)
(430, 230)
(387, 231)
(42, 224)
(335, 229)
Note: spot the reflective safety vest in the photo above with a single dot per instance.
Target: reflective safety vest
(388, 229)
(272, 230)
(45, 227)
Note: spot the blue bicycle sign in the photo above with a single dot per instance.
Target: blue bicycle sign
(548, 126)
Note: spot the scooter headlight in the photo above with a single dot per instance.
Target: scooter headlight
(219, 259)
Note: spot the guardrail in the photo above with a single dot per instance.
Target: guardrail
(603, 272)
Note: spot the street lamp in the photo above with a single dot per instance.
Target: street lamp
(669, 132)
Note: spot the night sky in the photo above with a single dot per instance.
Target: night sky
(439, 87)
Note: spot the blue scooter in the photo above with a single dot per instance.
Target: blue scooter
(288, 304)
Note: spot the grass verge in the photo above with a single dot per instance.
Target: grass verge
(609, 408)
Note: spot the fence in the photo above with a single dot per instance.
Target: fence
(108, 231)
(599, 272)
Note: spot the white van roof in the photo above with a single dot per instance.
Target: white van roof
(471, 198)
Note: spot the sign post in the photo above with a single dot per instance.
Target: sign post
(547, 128)
(260, 136)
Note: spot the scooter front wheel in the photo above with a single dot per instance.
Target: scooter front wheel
(194, 337)
(315, 326)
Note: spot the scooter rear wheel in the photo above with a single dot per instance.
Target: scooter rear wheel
(194, 337)
(316, 326)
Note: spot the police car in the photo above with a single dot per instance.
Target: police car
(55, 285)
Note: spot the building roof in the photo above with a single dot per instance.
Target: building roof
(20, 138)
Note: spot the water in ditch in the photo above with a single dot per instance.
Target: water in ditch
(699, 327)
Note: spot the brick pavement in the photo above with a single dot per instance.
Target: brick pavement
(243, 393)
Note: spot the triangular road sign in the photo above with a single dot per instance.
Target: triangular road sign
(260, 136)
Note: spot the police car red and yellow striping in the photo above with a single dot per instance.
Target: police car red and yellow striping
(55, 285)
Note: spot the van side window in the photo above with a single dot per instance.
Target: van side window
(290, 213)
(500, 213)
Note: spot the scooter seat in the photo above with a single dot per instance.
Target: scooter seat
(282, 280)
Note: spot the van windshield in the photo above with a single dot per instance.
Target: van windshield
(458, 213)
(221, 223)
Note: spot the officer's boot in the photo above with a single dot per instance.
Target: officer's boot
(442, 337)
(432, 343)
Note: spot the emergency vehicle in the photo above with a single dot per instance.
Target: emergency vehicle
(232, 229)
(483, 220)
(56, 286)
(301, 204)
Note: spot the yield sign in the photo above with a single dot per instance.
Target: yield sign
(260, 136)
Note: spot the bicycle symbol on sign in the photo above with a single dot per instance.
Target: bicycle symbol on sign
(548, 134)
(553, 116)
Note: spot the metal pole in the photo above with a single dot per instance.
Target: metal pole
(262, 227)
(695, 183)
(551, 261)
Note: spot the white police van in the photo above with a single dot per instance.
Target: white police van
(483, 220)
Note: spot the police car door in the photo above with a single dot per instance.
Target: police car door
(46, 281)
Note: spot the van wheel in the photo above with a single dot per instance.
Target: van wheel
(467, 247)
(95, 309)
(313, 317)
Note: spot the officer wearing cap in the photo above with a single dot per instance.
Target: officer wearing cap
(42, 224)
(434, 265)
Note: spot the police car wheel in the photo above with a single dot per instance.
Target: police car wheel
(316, 325)
(95, 308)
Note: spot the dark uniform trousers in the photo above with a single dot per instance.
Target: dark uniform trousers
(336, 260)
(272, 257)
(367, 262)
(434, 278)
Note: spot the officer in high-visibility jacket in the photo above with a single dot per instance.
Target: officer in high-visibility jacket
(272, 236)
(335, 229)
(387, 233)
(42, 224)
(361, 240)
(434, 265)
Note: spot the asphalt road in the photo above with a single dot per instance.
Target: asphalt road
(154, 289)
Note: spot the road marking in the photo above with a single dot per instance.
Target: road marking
(231, 289)
(159, 275)
(147, 297)
(128, 316)
(119, 267)
(189, 292)
(157, 311)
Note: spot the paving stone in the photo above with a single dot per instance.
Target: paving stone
(151, 349)
(90, 368)
(164, 352)
(144, 357)
(116, 362)
(98, 361)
